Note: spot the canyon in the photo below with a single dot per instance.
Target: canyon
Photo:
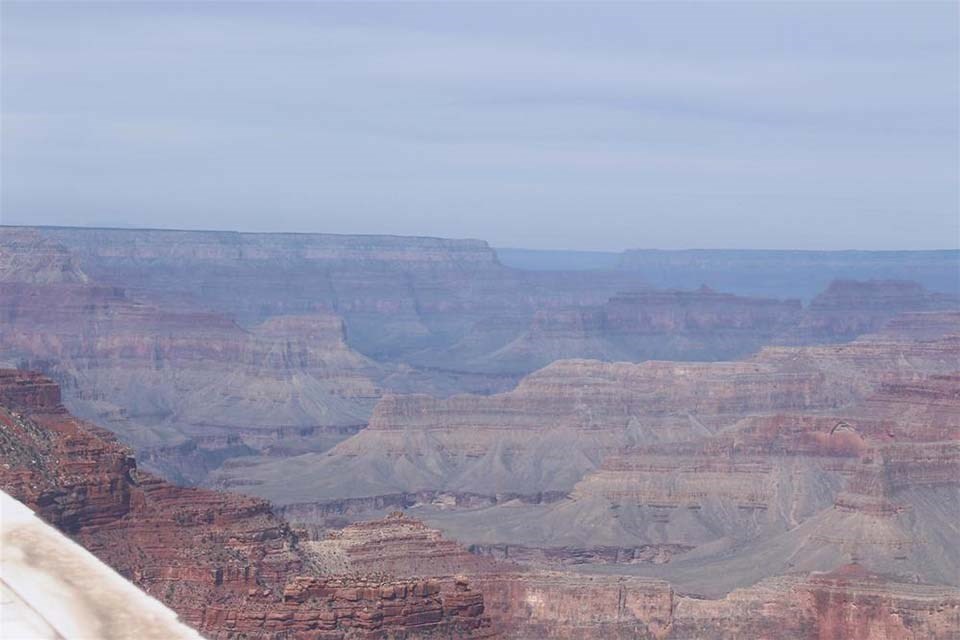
(205, 347)
(319, 436)
(223, 562)
(231, 569)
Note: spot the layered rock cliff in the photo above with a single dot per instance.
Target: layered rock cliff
(848, 602)
(849, 308)
(205, 347)
(186, 386)
(232, 570)
(560, 422)
(409, 297)
(223, 562)
(653, 325)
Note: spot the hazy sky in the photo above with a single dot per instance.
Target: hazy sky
(592, 126)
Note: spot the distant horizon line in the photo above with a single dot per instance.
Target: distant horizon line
(468, 239)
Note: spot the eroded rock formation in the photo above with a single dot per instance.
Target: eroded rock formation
(223, 562)
(560, 422)
(231, 569)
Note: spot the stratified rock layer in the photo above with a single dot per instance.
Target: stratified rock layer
(560, 422)
(224, 563)
(232, 570)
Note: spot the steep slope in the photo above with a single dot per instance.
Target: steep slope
(848, 602)
(849, 308)
(560, 422)
(202, 347)
(186, 387)
(652, 325)
(231, 569)
(875, 484)
(407, 298)
(223, 562)
(541, 437)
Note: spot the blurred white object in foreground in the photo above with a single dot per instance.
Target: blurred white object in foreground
(51, 587)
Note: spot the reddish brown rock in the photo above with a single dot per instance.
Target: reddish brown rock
(560, 422)
(566, 606)
(395, 545)
(189, 387)
(650, 324)
(848, 603)
(848, 308)
(223, 562)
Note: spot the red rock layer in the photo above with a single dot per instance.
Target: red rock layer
(223, 562)
(394, 545)
(569, 606)
(165, 376)
(699, 311)
(846, 604)
(849, 307)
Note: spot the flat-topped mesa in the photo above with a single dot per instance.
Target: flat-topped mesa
(394, 545)
(764, 471)
(893, 355)
(794, 274)
(101, 326)
(228, 247)
(430, 302)
(28, 390)
(701, 310)
(27, 256)
(889, 295)
(223, 562)
(162, 375)
(252, 276)
(652, 324)
(928, 325)
(661, 388)
(546, 434)
(848, 308)
(559, 423)
(592, 396)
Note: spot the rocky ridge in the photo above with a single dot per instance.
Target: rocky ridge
(223, 562)
(233, 570)
(562, 421)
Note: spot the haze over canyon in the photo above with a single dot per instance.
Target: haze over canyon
(320, 436)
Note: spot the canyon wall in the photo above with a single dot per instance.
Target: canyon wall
(200, 348)
(223, 562)
(187, 387)
(399, 295)
(231, 569)
(560, 422)
(705, 325)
